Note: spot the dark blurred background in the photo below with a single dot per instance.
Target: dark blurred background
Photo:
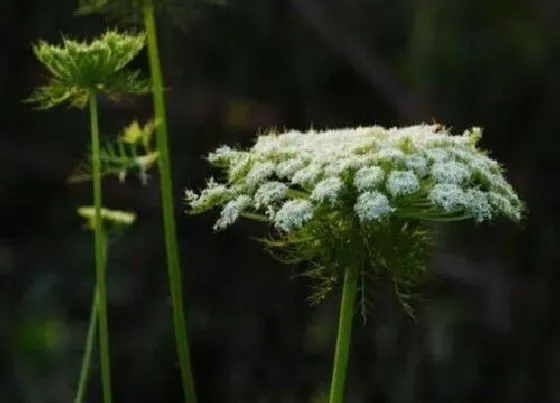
(487, 330)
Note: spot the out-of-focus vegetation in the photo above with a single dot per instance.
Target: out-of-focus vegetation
(486, 331)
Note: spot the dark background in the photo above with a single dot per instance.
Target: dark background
(487, 330)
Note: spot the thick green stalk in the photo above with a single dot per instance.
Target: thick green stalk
(100, 252)
(86, 360)
(349, 289)
(173, 264)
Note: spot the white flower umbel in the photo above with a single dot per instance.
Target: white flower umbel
(419, 172)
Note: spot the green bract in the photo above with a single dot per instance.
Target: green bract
(359, 197)
(131, 151)
(115, 218)
(79, 69)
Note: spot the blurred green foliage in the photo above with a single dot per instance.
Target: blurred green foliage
(486, 331)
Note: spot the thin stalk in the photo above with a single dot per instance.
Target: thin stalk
(100, 252)
(349, 289)
(86, 360)
(173, 264)
(90, 341)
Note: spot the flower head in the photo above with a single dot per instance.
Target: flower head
(80, 69)
(419, 172)
(359, 196)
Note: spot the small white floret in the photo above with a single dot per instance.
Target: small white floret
(293, 215)
(372, 206)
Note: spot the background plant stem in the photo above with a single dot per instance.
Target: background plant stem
(86, 360)
(173, 264)
(100, 253)
(349, 289)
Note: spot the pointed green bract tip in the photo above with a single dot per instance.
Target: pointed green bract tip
(116, 217)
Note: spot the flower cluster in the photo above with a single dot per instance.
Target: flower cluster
(79, 68)
(419, 173)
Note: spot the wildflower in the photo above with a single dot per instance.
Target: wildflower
(80, 69)
(365, 192)
(417, 169)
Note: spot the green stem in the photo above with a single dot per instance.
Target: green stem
(84, 371)
(90, 341)
(100, 252)
(349, 289)
(173, 265)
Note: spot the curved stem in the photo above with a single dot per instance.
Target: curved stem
(100, 252)
(86, 360)
(349, 289)
(173, 264)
